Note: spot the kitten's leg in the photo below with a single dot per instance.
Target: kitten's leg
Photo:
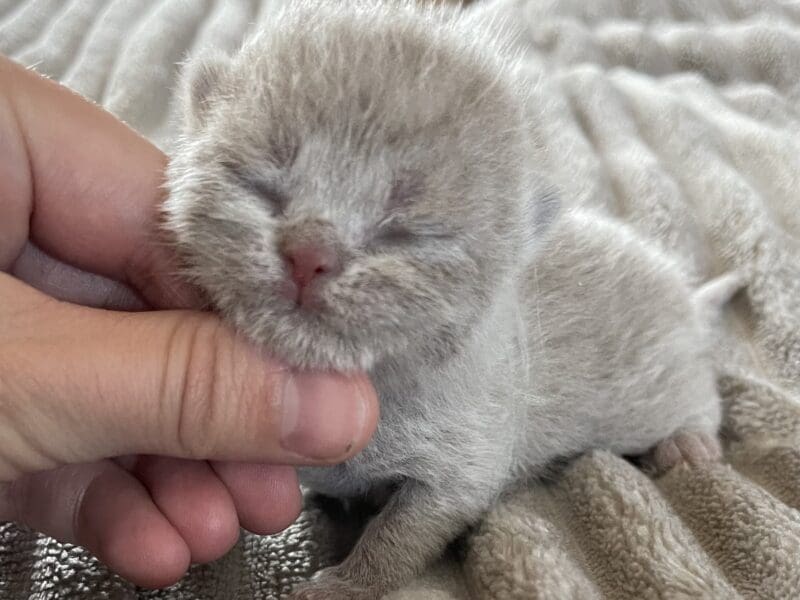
(694, 444)
(412, 530)
(687, 446)
(695, 441)
(344, 522)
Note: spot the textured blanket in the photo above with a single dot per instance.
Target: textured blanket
(681, 118)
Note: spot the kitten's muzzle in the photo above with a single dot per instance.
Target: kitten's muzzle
(307, 263)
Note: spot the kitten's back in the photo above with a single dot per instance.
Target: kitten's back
(617, 347)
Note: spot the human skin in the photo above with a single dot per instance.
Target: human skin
(147, 434)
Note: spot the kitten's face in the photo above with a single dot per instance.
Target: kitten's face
(344, 197)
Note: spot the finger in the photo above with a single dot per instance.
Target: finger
(194, 500)
(84, 181)
(65, 282)
(93, 383)
(267, 497)
(105, 510)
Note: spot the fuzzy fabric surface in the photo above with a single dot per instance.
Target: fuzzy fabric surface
(681, 118)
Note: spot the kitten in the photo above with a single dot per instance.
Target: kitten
(355, 189)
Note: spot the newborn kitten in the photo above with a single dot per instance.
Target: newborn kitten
(355, 190)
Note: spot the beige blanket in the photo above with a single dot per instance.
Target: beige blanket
(681, 117)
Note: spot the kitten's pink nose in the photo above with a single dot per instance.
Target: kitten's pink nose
(309, 261)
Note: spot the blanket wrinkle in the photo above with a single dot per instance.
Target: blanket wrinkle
(680, 118)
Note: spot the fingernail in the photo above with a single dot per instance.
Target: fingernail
(323, 415)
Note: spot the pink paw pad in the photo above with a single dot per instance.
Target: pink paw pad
(694, 448)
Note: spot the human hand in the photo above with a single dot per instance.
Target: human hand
(168, 390)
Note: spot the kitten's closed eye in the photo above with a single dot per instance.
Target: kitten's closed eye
(397, 231)
(275, 198)
(266, 189)
(400, 227)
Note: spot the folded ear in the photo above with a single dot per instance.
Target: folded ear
(202, 78)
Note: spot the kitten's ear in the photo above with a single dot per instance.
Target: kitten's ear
(543, 210)
(202, 78)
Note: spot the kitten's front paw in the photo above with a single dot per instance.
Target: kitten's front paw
(327, 586)
(694, 448)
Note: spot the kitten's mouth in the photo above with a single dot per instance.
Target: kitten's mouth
(313, 327)
(288, 290)
(303, 297)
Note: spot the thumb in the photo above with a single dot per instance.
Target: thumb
(79, 384)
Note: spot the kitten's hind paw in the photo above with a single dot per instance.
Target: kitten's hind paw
(311, 591)
(691, 447)
(326, 586)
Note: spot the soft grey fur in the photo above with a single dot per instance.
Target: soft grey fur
(396, 135)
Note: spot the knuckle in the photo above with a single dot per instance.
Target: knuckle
(225, 395)
(194, 386)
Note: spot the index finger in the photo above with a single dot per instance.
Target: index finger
(93, 185)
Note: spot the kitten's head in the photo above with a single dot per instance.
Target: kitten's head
(352, 185)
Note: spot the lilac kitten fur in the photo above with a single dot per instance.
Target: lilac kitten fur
(355, 189)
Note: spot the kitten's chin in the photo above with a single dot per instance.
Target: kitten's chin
(310, 347)
(318, 359)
